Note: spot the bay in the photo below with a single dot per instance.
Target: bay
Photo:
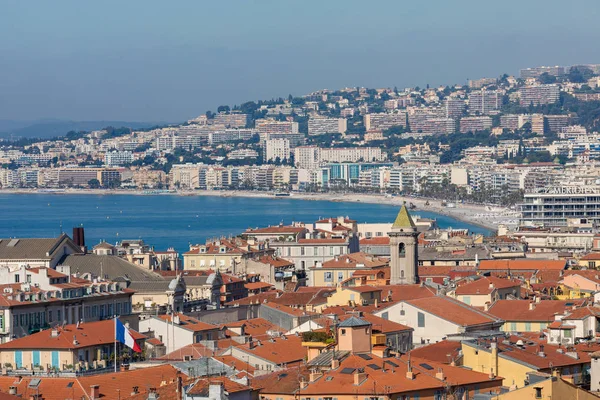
(174, 221)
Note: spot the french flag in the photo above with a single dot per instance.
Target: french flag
(123, 335)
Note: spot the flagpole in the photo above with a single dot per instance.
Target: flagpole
(115, 344)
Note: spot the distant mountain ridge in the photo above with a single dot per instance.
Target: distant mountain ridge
(49, 128)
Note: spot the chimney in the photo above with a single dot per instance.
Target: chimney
(79, 238)
(335, 364)
(541, 352)
(440, 374)
(531, 306)
(94, 392)
(359, 377)
(12, 390)
(303, 384)
(179, 386)
(315, 375)
(409, 373)
(492, 376)
(134, 390)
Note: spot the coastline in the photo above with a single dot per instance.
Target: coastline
(482, 216)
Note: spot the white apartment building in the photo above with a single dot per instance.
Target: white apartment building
(454, 107)
(320, 126)
(383, 121)
(307, 157)
(118, 158)
(351, 154)
(277, 149)
(271, 126)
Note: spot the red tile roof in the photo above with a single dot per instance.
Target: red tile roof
(526, 310)
(355, 260)
(443, 352)
(453, 310)
(70, 337)
(279, 350)
(258, 285)
(591, 257)
(522, 265)
(189, 323)
(486, 285)
(375, 241)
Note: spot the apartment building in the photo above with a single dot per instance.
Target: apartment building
(351, 154)
(483, 102)
(233, 120)
(479, 83)
(553, 206)
(277, 149)
(307, 157)
(556, 123)
(80, 176)
(118, 158)
(230, 135)
(537, 71)
(455, 107)
(383, 121)
(426, 125)
(538, 95)
(474, 124)
(265, 126)
(321, 126)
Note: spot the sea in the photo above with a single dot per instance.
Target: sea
(165, 221)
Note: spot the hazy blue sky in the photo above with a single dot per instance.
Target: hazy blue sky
(146, 60)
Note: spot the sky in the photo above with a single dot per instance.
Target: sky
(156, 60)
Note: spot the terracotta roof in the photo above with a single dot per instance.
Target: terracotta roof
(354, 260)
(435, 270)
(254, 326)
(375, 241)
(279, 350)
(70, 337)
(583, 312)
(111, 385)
(485, 285)
(288, 310)
(591, 257)
(201, 387)
(305, 297)
(275, 261)
(258, 285)
(443, 352)
(257, 298)
(453, 310)
(522, 265)
(559, 325)
(526, 310)
(194, 350)
(363, 289)
(281, 382)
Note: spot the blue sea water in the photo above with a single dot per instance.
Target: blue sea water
(175, 221)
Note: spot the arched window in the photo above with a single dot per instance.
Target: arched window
(401, 249)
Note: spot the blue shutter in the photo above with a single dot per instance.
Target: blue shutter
(55, 362)
(36, 357)
(18, 359)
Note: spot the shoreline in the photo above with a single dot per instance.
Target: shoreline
(481, 216)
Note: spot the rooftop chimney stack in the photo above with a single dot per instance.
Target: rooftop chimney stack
(94, 392)
(79, 237)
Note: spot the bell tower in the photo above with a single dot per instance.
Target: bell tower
(404, 250)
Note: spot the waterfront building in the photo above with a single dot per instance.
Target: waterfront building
(118, 158)
(553, 206)
(277, 149)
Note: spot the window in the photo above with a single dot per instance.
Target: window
(316, 251)
(591, 264)
(467, 299)
(340, 276)
(538, 392)
(330, 251)
(28, 278)
(17, 279)
(193, 263)
(50, 316)
(527, 326)
(401, 249)
(421, 320)
(567, 333)
(402, 312)
(58, 316)
(513, 326)
(385, 315)
(343, 331)
(301, 251)
(328, 276)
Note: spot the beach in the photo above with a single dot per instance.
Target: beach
(488, 217)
